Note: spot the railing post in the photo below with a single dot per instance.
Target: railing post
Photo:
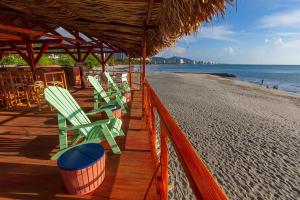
(164, 159)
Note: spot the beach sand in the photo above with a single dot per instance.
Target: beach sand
(248, 136)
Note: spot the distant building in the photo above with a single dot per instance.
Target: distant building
(120, 56)
(53, 56)
(181, 61)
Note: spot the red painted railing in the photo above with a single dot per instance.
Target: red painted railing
(200, 179)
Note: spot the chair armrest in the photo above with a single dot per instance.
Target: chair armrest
(108, 112)
(114, 95)
(94, 112)
(96, 123)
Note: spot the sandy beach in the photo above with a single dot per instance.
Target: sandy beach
(248, 136)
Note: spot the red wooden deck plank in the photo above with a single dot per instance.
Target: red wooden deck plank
(28, 137)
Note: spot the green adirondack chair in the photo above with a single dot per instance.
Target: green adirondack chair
(113, 87)
(85, 130)
(100, 96)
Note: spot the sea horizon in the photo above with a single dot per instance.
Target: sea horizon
(285, 77)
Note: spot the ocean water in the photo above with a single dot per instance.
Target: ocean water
(286, 77)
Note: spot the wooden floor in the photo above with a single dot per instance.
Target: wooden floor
(28, 137)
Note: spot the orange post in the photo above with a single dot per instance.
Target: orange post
(102, 58)
(144, 60)
(202, 182)
(129, 71)
(164, 159)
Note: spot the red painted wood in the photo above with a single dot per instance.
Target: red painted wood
(22, 54)
(10, 36)
(164, 159)
(27, 172)
(144, 59)
(33, 32)
(30, 55)
(103, 63)
(129, 70)
(201, 180)
(40, 54)
(28, 41)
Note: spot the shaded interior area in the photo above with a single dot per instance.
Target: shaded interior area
(29, 137)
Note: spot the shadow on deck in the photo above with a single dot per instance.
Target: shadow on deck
(27, 139)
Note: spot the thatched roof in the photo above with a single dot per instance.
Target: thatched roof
(122, 22)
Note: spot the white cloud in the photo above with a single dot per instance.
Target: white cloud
(230, 50)
(174, 51)
(221, 32)
(289, 34)
(286, 43)
(278, 41)
(284, 19)
(294, 44)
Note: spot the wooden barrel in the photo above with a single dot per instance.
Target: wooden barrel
(128, 96)
(116, 110)
(82, 168)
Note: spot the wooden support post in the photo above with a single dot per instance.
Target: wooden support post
(129, 71)
(143, 78)
(30, 56)
(40, 54)
(79, 59)
(141, 71)
(164, 159)
(102, 58)
(144, 60)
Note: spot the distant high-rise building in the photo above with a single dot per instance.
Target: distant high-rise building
(120, 56)
(181, 61)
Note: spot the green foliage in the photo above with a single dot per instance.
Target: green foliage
(91, 61)
(45, 60)
(65, 60)
(12, 60)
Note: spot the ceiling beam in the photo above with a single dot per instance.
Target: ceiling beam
(33, 32)
(27, 41)
(7, 36)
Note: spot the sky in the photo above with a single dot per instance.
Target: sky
(260, 32)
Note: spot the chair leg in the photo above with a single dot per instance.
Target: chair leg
(96, 103)
(111, 141)
(122, 105)
(63, 138)
(121, 133)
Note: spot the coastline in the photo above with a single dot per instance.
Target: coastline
(247, 135)
(233, 77)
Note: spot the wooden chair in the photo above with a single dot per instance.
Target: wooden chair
(101, 96)
(122, 87)
(33, 89)
(85, 130)
(11, 95)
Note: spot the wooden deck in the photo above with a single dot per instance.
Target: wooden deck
(27, 139)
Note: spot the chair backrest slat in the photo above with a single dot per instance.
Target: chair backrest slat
(111, 81)
(95, 83)
(66, 105)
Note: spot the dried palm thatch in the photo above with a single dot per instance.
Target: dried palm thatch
(123, 22)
